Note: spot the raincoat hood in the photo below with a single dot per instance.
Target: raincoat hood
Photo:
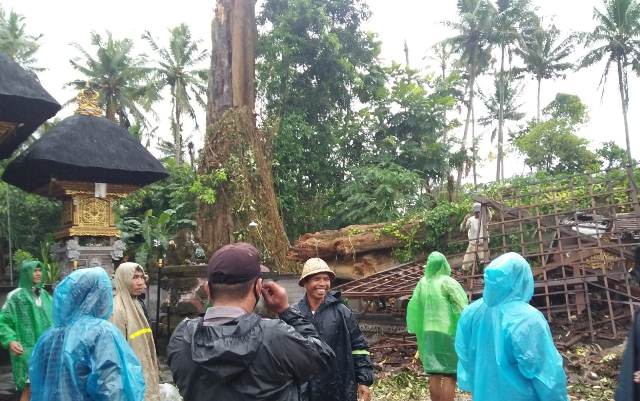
(226, 351)
(85, 292)
(26, 273)
(437, 265)
(508, 278)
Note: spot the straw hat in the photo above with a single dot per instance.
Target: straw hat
(315, 266)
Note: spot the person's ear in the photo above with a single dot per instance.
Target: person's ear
(207, 290)
(259, 285)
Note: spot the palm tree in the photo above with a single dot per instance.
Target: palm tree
(122, 79)
(16, 43)
(513, 19)
(616, 40)
(509, 107)
(472, 44)
(177, 69)
(544, 57)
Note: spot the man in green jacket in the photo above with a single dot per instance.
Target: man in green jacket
(26, 314)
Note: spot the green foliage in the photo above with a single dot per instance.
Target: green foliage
(612, 156)
(119, 76)
(53, 271)
(552, 144)
(410, 124)
(205, 186)
(33, 217)
(20, 256)
(379, 193)
(428, 229)
(568, 108)
(15, 42)
(178, 70)
(154, 232)
(314, 63)
(174, 195)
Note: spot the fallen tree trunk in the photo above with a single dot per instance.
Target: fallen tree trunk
(345, 242)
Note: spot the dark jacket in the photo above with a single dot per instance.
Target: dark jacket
(628, 390)
(338, 328)
(249, 358)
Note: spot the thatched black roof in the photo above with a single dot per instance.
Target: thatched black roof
(24, 101)
(87, 149)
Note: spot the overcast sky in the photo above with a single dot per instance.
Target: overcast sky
(416, 21)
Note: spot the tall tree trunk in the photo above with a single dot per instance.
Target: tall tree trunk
(625, 104)
(499, 163)
(539, 85)
(234, 144)
(467, 122)
(474, 146)
(177, 131)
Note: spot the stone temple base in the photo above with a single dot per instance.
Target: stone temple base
(82, 252)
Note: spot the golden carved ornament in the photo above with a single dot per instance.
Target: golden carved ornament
(88, 105)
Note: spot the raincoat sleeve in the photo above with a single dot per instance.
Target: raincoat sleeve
(456, 296)
(415, 310)
(116, 373)
(300, 351)
(537, 358)
(465, 350)
(359, 349)
(7, 324)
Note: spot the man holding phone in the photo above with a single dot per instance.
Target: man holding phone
(233, 354)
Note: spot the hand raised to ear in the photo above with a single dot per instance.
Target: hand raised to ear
(275, 297)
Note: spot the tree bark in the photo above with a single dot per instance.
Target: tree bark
(474, 146)
(625, 104)
(539, 85)
(233, 144)
(499, 163)
(177, 130)
(466, 123)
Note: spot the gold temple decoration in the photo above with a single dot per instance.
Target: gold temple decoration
(82, 213)
(87, 100)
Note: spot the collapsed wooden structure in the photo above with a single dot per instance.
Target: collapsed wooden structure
(581, 235)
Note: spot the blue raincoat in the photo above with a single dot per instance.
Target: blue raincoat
(504, 345)
(83, 356)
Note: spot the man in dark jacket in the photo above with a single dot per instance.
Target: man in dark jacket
(629, 377)
(352, 374)
(232, 354)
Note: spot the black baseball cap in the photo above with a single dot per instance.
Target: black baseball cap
(234, 263)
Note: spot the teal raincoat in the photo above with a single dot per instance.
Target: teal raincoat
(504, 345)
(83, 356)
(23, 318)
(432, 315)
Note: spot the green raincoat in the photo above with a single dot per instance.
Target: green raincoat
(433, 313)
(24, 319)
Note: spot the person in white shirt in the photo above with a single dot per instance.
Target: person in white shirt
(478, 238)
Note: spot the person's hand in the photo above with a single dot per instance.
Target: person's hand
(16, 347)
(364, 394)
(275, 297)
(636, 377)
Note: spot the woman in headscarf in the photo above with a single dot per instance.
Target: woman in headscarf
(129, 316)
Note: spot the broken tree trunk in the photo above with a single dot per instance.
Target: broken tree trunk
(235, 147)
(345, 242)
